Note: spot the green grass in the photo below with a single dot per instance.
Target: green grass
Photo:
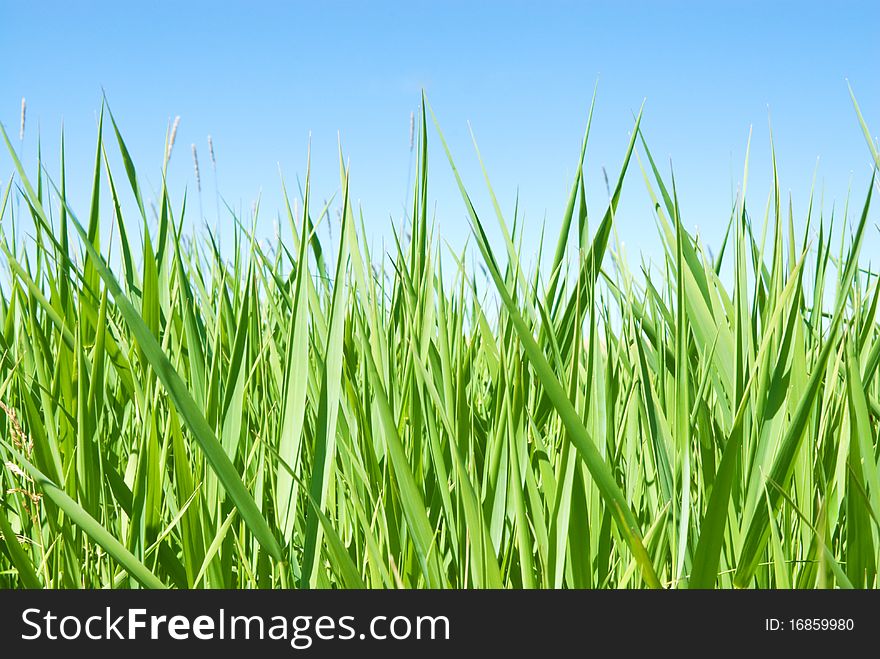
(316, 416)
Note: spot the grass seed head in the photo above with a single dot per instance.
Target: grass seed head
(211, 153)
(23, 115)
(172, 137)
(20, 440)
(196, 168)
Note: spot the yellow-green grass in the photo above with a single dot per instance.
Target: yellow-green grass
(313, 416)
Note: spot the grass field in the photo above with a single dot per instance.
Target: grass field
(314, 415)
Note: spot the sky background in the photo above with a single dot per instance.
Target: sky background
(261, 77)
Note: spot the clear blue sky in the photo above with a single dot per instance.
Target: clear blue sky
(260, 76)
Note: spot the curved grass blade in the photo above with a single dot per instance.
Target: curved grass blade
(87, 523)
(577, 432)
(20, 560)
(173, 383)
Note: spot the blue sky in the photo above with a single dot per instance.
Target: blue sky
(261, 77)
